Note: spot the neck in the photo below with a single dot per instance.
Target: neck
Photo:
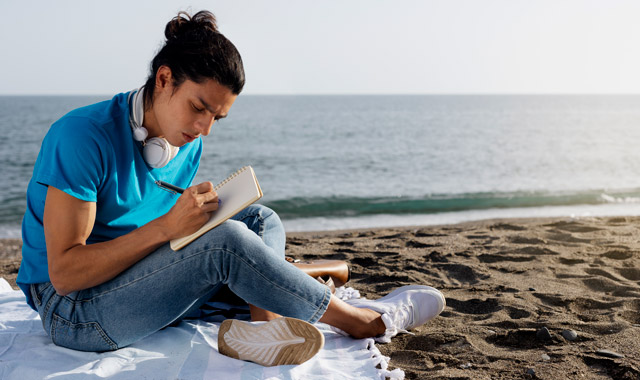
(143, 115)
(151, 123)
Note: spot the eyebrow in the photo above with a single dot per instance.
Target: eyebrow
(208, 107)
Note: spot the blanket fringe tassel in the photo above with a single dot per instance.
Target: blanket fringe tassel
(383, 362)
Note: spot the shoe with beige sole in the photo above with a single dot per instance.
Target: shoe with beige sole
(281, 341)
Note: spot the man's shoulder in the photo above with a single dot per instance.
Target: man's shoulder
(94, 120)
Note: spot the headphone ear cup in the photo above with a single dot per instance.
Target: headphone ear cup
(174, 151)
(157, 152)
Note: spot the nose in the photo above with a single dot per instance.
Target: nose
(205, 124)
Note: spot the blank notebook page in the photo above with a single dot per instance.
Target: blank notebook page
(236, 192)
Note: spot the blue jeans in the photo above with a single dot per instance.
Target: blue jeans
(246, 254)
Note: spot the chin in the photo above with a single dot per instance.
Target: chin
(177, 142)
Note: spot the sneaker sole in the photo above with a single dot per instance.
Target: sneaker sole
(282, 341)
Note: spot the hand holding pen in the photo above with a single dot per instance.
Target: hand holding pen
(191, 210)
(174, 189)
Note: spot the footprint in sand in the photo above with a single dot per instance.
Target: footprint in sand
(566, 238)
(428, 233)
(364, 261)
(419, 244)
(432, 274)
(604, 327)
(532, 250)
(475, 306)
(461, 274)
(615, 369)
(617, 221)
(297, 241)
(344, 243)
(484, 240)
(489, 258)
(631, 312)
(401, 235)
(387, 246)
(572, 227)
(526, 240)
(345, 250)
(552, 300)
(517, 313)
(608, 286)
(632, 274)
(520, 339)
(485, 237)
(435, 351)
(619, 254)
(581, 305)
(507, 227)
(566, 261)
(385, 253)
(436, 257)
(603, 273)
(411, 360)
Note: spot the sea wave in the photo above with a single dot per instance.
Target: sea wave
(332, 213)
(335, 206)
(620, 199)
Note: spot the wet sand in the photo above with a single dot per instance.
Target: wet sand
(526, 298)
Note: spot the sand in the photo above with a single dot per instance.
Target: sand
(513, 288)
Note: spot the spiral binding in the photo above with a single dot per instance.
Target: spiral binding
(229, 178)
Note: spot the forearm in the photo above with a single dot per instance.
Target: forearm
(68, 222)
(83, 266)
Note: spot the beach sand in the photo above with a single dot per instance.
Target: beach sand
(514, 289)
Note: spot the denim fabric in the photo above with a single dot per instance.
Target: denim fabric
(246, 254)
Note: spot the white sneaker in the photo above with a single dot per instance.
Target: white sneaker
(280, 341)
(404, 308)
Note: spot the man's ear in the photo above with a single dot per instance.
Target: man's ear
(164, 77)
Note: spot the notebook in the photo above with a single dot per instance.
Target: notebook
(236, 192)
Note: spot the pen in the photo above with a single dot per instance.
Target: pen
(169, 187)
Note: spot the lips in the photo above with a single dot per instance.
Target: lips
(188, 138)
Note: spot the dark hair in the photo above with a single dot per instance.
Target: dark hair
(197, 51)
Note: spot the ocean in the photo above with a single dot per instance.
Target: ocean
(336, 162)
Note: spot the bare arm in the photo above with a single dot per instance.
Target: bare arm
(68, 221)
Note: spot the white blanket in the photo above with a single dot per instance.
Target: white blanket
(186, 352)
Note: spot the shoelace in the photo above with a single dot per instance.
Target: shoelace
(399, 319)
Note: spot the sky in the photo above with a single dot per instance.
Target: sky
(335, 46)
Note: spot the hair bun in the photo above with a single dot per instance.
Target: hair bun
(184, 25)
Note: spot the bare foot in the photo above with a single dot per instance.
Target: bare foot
(357, 322)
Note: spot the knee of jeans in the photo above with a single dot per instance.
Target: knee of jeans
(238, 240)
(233, 233)
(270, 217)
(263, 211)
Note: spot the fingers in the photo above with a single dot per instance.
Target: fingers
(201, 188)
(209, 207)
(193, 208)
(207, 200)
(203, 196)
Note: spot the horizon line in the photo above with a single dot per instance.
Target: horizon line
(372, 94)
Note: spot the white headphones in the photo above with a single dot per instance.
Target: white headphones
(157, 151)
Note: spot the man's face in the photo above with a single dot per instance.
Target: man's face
(186, 112)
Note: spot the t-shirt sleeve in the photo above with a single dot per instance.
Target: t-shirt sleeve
(71, 159)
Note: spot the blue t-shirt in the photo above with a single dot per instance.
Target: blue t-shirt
(90, 154)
